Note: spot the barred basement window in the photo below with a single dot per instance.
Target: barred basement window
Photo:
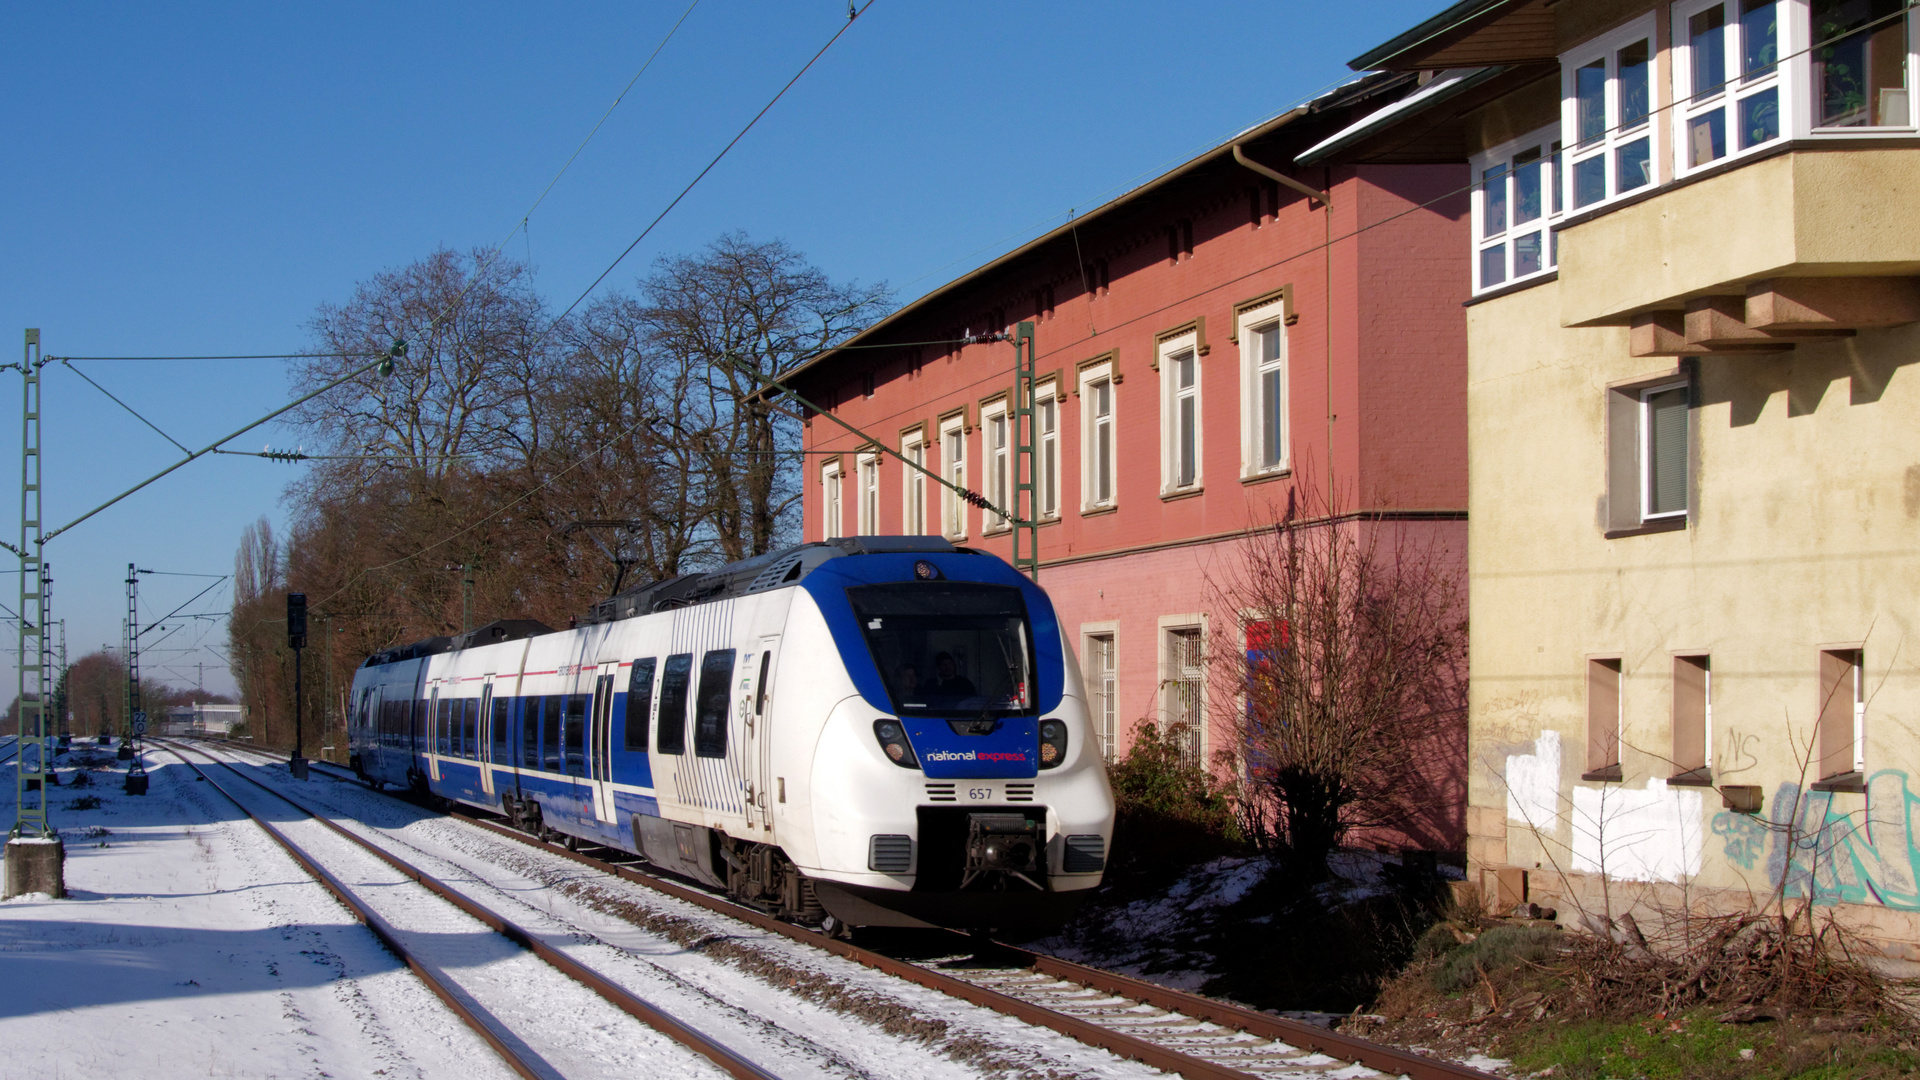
(1186, 691)
(1101, 692)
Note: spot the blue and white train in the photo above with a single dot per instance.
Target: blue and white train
(883, 731)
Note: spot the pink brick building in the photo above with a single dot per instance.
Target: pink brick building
(1204, 342)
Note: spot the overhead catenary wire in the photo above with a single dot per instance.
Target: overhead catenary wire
(971, 497)
(852, 17)
(1319, 246)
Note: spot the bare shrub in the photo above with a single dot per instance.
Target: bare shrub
(1341, 679)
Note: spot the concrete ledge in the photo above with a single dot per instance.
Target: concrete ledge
(35, 865)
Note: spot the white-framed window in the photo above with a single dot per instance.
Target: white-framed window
(831, 520)
(1097, 404)
(1662, 446)
(913, 485)
(1263, 389)
(1608, 96)
(1183, 685)
(869, 466)
(1727, 78)
(953, 467)
(1862, 66)
(1102, 679)
(1046, 425)
(996, 446)
(1180, 420)
(1517, 202)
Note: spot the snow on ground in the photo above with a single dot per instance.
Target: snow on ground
(699, 963)
(191, 945)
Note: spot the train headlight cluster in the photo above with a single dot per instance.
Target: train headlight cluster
(1053, 743)
(893, 740)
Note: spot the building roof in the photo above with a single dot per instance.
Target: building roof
(1354, 92)
(1471, 33)
(1446, 85)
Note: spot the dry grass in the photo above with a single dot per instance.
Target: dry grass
(1787, 990)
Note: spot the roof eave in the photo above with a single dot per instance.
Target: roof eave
(1384, 56)
(1225, 149)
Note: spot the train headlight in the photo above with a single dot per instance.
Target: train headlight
(893, 740)
(1053, 743)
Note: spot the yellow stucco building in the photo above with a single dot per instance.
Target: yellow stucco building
(1694, 441)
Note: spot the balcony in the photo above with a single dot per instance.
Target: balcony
(1746, 260)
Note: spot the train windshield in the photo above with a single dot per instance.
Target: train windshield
(949, 648)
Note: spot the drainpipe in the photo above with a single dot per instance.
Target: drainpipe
(1280, 178)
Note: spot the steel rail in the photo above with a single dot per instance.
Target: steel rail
(380, 927)
(730, 1062)
(1387, 1059)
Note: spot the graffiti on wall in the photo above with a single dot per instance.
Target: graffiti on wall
(1829, 854)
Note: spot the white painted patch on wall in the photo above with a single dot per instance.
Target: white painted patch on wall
(1649, 835)
(1533, 784)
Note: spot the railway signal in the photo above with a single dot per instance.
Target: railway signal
(297, 640)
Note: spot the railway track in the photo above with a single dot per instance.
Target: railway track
(519, 1045)
(1179, 1033)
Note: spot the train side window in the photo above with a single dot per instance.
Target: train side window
(440, 725)
(530, 733)
(502, 730)
(550, 733)
(470, 729)
(673, 703)
(576, 733)
(710, 719)
(639, 697)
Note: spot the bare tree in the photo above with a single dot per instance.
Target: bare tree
(1340, 673)
(499, 431)
(471, 324)
(746, 311)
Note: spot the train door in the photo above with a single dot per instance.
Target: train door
(484, 730)
(600, 743)
(369, 732)
(755, 707)
(434, 734)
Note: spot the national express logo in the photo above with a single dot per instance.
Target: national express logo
(971, 755)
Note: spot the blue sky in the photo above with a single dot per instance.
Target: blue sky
(194, 179)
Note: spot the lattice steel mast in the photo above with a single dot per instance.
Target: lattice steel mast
(1025, 511)
(32, 689)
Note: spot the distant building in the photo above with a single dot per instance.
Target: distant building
(1203, 342)
(1694, 424)
(204, 719)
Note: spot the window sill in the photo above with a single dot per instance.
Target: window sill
(1183, 493)
(1262, 477)
(1846, 781)
(1512, 287)
(1701, 777)
(1096, 511)
(1609, 775)
(1648, 528)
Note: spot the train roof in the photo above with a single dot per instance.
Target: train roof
(773, 570)
(758, 574)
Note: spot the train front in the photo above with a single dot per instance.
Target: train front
(959, 784)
